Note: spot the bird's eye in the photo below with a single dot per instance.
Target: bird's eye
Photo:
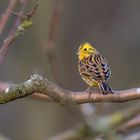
(85, 49)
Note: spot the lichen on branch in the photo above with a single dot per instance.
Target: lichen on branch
(40, 85)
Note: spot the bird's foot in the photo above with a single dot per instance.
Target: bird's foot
(89, 91)
(111, 92)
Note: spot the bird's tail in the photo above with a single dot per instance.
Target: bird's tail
(105, 88)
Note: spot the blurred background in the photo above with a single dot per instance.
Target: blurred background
(49, 48)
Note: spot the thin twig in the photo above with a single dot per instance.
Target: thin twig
(7, 14)
(52, 33)
(56, 15)
(133, 123)
(11, 35)
(25, 23)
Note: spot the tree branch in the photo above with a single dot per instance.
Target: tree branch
(40, 85)
(5, 16)
(133, 123)
(48, 45)
(95, 125)
(24, 24)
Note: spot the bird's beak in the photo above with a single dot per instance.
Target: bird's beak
(78, 53)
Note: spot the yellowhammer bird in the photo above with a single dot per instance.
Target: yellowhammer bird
(93, 68)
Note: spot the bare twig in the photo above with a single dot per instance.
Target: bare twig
(28, 15)
(6, 15)
(133, 123)
(55, 20)
(17, 22)
(37, 84)
(25, 23)
(49, 44)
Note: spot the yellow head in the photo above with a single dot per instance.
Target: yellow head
(85, 50)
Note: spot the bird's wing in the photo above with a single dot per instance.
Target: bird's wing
(103, 66)
(96, 67)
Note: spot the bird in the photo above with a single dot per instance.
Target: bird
(94, 68)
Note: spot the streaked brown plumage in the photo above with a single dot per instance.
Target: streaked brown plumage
(94, 68)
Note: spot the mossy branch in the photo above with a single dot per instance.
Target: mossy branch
(38, 84)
